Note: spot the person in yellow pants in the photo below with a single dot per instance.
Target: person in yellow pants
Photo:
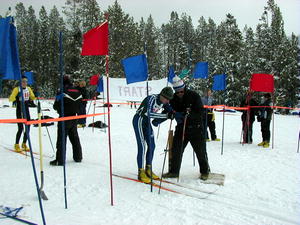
(16, 97)
(210, 117)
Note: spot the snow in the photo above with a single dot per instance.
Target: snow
(261, 185)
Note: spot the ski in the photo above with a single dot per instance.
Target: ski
(156, 185)
(182, 185)
(23, 153)
(188, 187)
(18, 219)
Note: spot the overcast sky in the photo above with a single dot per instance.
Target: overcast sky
(245, 11)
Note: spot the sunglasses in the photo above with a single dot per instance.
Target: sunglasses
(179, 92)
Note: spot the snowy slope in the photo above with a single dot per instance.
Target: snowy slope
(261, 186)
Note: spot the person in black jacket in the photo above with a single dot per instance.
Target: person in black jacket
(248, 117)
(71, 97)
(264, 117)
(82, 105)
(189, 104)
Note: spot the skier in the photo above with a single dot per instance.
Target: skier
(248, 117)
(143, 131)
(16, 97)
(209, 121)
(72, 98)
(189, 104)
(264, 117)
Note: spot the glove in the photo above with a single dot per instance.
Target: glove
(179, 117)
(171, 115)
(156, 122)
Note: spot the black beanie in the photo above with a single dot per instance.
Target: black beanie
(167, 93)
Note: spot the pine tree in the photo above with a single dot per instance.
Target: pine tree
(74, 34)
(90, 16)
(152, 49)
(229, 44)
(56, 25)
(124, 38)
(43, 47)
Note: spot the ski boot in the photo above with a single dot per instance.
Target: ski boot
(143, 176)
(148, 172)
(17, 148)
(25, 147)
(170, 175)
(204, 176)
(261, 144)
(266, 144)
(216, 139)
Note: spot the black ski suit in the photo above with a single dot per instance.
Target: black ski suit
(194, 131)
(265, 116)
(72, 98)
(248, 118)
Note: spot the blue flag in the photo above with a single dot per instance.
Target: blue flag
(29, 76)
(9, 56)
(219, 82)
(171, 74)
(135, 68)
(100, 87)
(201, 70)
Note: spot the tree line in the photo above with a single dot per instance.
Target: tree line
(237, 53)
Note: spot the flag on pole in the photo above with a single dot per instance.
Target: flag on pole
(95, 41)
(219, 82)
(262, 82)
(201, 70)
(29, 76)
(135, 68)
(94, 79)
(100, 86)
(9, 54)
(171, 74)
(184, 73)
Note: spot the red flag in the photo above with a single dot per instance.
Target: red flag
(94, 79)
(95, 41)
(262, 82)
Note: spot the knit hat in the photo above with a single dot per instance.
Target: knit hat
(177, 83)
(167, 93)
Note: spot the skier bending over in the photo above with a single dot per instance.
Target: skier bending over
(143, 130)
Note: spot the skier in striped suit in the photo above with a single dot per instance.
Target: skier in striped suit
(150, 106)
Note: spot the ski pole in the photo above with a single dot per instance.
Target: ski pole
(166, 150)
(183, 133)
(42, 193)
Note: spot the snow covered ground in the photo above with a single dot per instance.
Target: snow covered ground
(261, 185)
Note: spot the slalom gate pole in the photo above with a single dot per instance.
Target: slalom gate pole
(93, 116)
(273, 122)
(29, 140)
(50, 139)
(18, 219)
(104, 111)
(63, 139)
(165, 156)
(42, 193)
(223, 127)
(298, 142)
(149, 131)
(182, 142)
(108, 118)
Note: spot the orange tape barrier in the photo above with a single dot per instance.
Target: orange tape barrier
(205, 106)
(246, 108)
(49, 120)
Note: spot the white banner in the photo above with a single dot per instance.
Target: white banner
(120, 90)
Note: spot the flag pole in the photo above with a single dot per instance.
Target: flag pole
(148, 113)
(108, 118)
(62, 114)
(223, 123)
(273, 122)
(27, 131)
